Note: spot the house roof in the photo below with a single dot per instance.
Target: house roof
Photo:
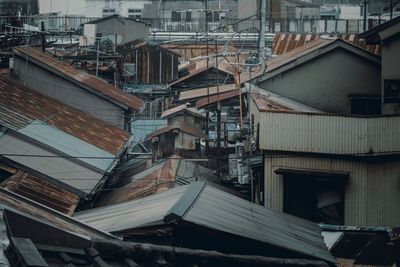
(202, 205)
(358, 246)
(374, 36)
(211, 100)
(20, 105)
(82, 79)
(181, 109)
(310, 51)
(116, 16)
(286, 42)
(269, 101)
(156, 179)
(41, 191)
(23, 205)
(184, 128)
(201, 92)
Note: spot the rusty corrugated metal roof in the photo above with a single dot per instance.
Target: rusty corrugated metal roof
(265, 104)
(201, 92)
(311, 47)
(21, 105)
(184, 128)
(48, 215)
(286, 42)
(156, 179)
(181, 109)
(207, 101)
(87, 81)
(43, 192)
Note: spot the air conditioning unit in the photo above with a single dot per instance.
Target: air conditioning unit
(129, 69)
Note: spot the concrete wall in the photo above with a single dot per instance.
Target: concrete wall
(94, 8)
(70, 94)
(316, 82)
(167, 6)
(126, 31)
(391, 70)
(247, 8)
(371, 196)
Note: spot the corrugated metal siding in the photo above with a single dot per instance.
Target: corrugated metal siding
(371, 196)
(318, 133)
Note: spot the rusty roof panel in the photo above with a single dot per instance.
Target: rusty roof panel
(156, 179)
(95, 84)
(43, 192)
(207, 101)
(31, 105)
(181, 109)
(184, 128)
(201, 92)
(48, 215)
(286, 42)
(265, 104)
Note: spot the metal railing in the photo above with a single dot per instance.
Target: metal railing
(67, 23)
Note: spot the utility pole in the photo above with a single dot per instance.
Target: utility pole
(218, 116)
(43, 37)
(261, 39)
(97, 56)
(365, 15)
(208, 85)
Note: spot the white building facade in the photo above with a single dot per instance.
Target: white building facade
(126, 8)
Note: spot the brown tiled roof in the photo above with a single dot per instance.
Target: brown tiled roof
(89, 82)
(27, 104)
(207, 101)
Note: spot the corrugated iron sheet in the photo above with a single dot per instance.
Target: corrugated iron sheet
(70, 73)
(202, 92)
(156, 179)
(184, 128)
(71, 175)
(329, 134)
(211, 100)
(132, 214)
(20, 105)
(216, 210)
(47, 215)
(379, 179)
(68, 145)
(286, 42)
(43, 192)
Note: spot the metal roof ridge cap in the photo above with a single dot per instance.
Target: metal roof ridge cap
(185, 202)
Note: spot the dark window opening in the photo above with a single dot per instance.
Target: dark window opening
(188, 16)
(392, 91)
(365, 105)
(314, 199)
(175, 16)
(212, 16)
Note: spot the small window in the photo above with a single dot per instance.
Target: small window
(188, 16)
(365, 104)
(392, 91)
(175, 16)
